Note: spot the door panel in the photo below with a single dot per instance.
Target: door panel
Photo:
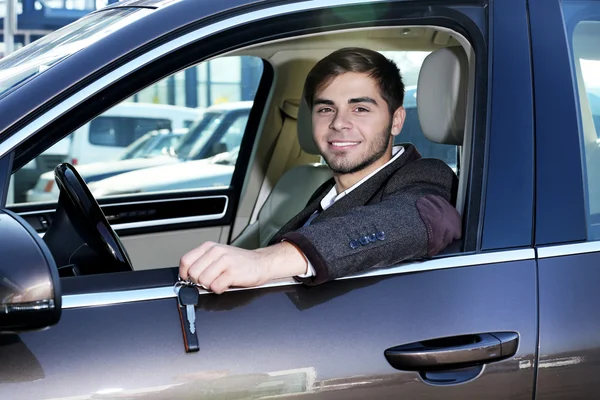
(569, 343)
(164, 249)
(323, 342)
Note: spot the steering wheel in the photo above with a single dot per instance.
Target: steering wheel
(80, 234)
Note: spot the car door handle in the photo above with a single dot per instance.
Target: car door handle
(453, 352)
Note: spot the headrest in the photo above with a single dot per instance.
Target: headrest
(442, 95)
(304, 127)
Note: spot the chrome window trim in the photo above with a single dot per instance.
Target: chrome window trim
(165, 292)
(146, 58)
(568, 249)
(162, 222)
(158, 222)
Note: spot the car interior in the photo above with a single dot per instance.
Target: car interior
(285, 168)
(269, 204)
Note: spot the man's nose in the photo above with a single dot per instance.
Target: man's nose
(340, 121)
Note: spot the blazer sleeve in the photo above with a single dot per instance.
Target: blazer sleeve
(414, 221)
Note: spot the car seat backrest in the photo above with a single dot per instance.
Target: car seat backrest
(442, 105)
(293, 189)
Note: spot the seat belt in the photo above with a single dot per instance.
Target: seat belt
(285, 143)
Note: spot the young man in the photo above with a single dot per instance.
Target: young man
(384, 204)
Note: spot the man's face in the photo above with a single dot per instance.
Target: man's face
(352, 125)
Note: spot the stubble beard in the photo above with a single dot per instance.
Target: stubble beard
(339, 164)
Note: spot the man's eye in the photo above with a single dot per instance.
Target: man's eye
(324, 110)
(361, 109)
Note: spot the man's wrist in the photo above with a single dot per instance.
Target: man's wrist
(284, 260)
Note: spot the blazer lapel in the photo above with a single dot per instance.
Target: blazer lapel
(314, 205)
(365, 192)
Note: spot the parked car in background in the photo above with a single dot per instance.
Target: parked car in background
(104, 138)
(154, 143)
(220, 129)
(210, 173)
(221, 132)
(154, 148)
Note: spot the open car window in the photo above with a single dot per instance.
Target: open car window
(116, 154)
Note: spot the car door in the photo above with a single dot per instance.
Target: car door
(567, 202)
(120, 335)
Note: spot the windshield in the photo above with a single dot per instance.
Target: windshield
(200, 132)
(42, 54)
(137, 148)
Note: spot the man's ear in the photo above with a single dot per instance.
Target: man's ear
(398, 120)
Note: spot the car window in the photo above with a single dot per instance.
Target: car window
(207, 114)
(231, 138)
(153, 144)
(122, 131)
(586, 74)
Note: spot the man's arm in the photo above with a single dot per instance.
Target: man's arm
(414, 222)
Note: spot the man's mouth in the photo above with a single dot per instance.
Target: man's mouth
(341, 145)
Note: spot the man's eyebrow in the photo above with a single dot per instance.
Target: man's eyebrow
(365, 99)
(323, 101)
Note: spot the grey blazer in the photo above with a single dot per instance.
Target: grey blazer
(405, 211)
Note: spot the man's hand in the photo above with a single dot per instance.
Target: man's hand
(218, 267)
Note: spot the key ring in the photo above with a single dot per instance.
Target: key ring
(187, 282)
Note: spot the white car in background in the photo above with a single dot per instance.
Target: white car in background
(104, 138)
(214, 172)
(219, 130)
(152, 149)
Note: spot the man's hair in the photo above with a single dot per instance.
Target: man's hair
(354, 59)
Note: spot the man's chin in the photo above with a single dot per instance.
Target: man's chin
(341, 168)
(343, 165)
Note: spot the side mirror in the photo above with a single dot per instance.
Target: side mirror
(30, 295)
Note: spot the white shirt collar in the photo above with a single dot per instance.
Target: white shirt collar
(333, 196)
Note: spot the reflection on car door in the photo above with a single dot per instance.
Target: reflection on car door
(323, 342)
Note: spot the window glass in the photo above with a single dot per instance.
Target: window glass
(139, 145)
(154, 143)
(122, 131)
(586, 59)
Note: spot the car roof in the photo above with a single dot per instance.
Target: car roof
(157, 19)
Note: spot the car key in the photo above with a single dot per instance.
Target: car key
(187, 298)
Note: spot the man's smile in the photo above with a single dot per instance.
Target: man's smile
(343, 145)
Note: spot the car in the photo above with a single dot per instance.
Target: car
(213, 172)
(89, 290)
(216, 132)
(107, 135)
(154, 143)
(104, 138)
(154, 148)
